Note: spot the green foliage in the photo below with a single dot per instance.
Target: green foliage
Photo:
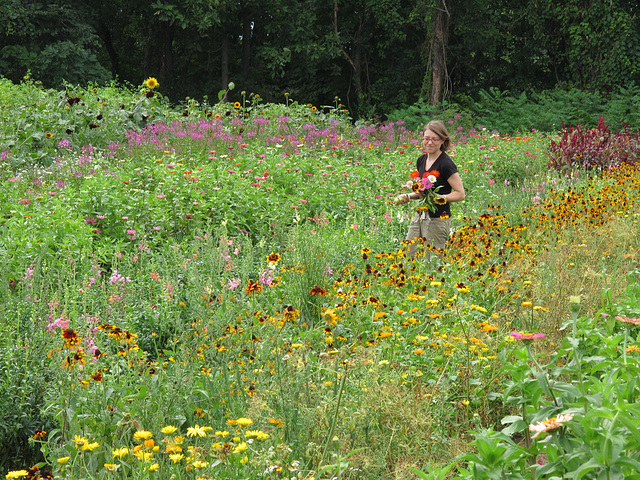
(589, 384)
(25, 377)
(223, 262)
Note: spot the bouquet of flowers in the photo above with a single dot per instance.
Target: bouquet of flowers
(425, 187)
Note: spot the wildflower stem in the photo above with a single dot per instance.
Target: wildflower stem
(333, 420)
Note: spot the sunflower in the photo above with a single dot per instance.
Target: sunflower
(151, 83)
(49, 135)
(237, 105)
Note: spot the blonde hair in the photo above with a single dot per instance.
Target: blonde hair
(437, 127)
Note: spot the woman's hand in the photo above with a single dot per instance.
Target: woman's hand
(402, 199)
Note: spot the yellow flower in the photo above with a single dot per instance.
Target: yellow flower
(196, 431)
(147, 456)
(111, 467)
(151, 83)
(17, 474)
(142, 435)
(90, 446)
(240, 448)
(200, 464)
(80, 440)
(244, 422)
(176, 457)
(153, 467)
(169, 429)
(120, 452)
(260, 435)
(221, 433)
(63, 460)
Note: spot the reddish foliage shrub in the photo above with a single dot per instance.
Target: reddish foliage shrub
(594, 148)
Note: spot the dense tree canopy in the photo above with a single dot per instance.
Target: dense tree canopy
(374, 55)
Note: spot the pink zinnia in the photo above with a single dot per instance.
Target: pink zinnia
(527, 336)
(633, 321)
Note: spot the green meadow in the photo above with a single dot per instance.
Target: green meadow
(223, 291)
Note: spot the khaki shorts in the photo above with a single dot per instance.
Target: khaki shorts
(435, 231)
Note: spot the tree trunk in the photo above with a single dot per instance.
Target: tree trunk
(224, 77)
(439, 53)
(107, 39)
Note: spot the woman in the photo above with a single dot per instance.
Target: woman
(435, 226)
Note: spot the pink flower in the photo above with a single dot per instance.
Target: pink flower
(303, 201)
(527, 336)
(550, 424)
(633, 321)
(131, 232)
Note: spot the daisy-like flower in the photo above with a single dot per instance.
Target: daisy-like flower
(120, 452)
(80, 440)
(17, 474)
(196, 431)
(142, 435)
(244, 422)
(527, 336)
(550, 424)
(111, 467)
(176, 457)
(89, 447)
(63, 460)
(318, 291)
(241, 447)
(169, 429)
(151, 83)
(632, 321)
(273, 258)
(253, 287)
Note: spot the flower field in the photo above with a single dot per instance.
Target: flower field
(223, 292)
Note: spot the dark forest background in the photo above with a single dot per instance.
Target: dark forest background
(373, 55)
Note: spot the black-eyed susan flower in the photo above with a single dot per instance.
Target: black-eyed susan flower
(253, 287)
(318, 291)
(273, 258)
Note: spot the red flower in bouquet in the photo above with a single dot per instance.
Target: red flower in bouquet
(425, 187)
